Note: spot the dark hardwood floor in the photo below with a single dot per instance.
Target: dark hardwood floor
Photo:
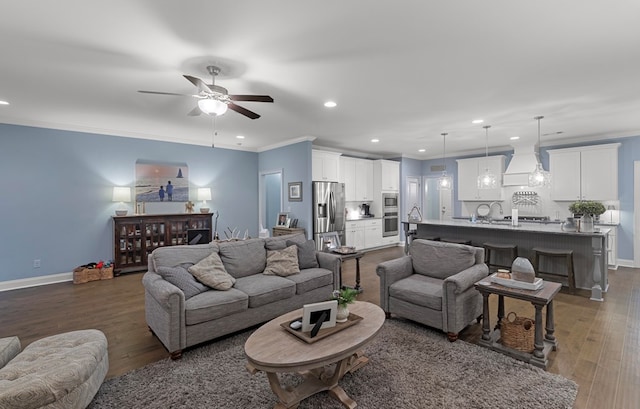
(599, 342)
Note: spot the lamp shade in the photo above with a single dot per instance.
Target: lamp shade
(121, 194)
(212, 106)
(204, 193)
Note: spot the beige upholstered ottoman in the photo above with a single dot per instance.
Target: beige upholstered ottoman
(60, 371)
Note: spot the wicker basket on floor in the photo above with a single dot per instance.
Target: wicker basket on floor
(83, 275)
(517, 332)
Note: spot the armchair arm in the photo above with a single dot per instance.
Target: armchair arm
(331, 262)
(462, 281)
(165, 311)
(390, 272)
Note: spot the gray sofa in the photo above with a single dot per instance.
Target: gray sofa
(434, 285)
(181, 319)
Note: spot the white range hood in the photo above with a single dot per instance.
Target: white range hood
(523, 162)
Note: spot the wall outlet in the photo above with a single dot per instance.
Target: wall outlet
(36, 263)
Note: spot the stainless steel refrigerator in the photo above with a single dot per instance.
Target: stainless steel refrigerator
(328, 211)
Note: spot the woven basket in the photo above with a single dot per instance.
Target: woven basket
(83, 275)
(518, 333)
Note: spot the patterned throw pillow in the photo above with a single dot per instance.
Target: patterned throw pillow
(211, 272)
(282, 262)
(180, 277)
(306, 253)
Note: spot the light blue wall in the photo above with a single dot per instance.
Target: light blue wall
(273, 199)
(57, 186)
(295, 161)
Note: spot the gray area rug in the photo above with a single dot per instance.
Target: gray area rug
(411, 367)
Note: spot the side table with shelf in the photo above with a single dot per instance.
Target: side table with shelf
(136, 236)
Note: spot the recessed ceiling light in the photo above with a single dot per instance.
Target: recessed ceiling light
(422, 150)
(240, 137)
(330, 104)
(4, 103)
(477, 121)
(514, 138)
(375, 140)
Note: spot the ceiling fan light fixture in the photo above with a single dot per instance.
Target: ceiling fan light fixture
(212, 106)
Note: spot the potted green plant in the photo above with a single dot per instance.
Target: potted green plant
(588, 209)
(345, 296)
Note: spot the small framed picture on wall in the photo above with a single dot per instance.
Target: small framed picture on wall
(295, 191)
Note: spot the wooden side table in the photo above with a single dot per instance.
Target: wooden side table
(344, 257)
(539, 299)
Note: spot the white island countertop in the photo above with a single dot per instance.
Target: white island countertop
(536, 227)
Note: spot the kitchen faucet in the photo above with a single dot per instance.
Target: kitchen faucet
(491, 207)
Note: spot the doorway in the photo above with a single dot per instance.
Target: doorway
(270, 198)
(437, 203)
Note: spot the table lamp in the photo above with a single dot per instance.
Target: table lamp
(204, 194)
(121, 194)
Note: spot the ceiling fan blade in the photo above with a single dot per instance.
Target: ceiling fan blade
(164, 93)
(256, 98)
(202, 86)
(243, 111)
(195, 112)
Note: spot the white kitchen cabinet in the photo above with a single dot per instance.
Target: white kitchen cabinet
(357, 176)
(612, 247)
(325, 166)
(584, 173)
(364, 234)
(468, 172)
(373, 233)
(386, 175)
(354, 234)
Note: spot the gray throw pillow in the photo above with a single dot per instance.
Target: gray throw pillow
(211, 272)
(181, 278)
(282, 262)
(306, 253)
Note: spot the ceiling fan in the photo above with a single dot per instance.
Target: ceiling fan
(214, 99)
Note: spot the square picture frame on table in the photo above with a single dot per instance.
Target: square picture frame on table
(312, 312)
(295, 191)
(283, 219)
(330, 240)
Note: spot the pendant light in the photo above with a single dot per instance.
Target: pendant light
(444, 182)
(487, 180)
(539, 177)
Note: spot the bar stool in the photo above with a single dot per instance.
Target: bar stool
(566, 255)
(457, 241)
(499, 249)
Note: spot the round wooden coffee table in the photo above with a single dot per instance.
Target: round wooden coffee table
(273, 350)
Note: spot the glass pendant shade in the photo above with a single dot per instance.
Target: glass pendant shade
(444, 182)
(212, 106)
(487, 180)
(539, 177)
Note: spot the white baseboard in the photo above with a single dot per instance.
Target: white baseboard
(626, 263)
(35, 281)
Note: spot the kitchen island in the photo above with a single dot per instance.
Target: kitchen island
(589, 249)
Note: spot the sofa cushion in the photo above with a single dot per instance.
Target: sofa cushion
(306, 253)
(171, 256)
(280, 242)
(263, 289)
(215, 304)
(244, 257)
(181, 278)
(440, 260)
(9, 348)
(282, 262)
(420, 290)
(210, 271)
(312, 278)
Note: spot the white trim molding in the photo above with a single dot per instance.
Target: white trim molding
(35, 281)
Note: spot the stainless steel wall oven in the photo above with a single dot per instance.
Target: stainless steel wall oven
(390, 221)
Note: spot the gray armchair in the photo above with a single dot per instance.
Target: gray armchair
(433, 285)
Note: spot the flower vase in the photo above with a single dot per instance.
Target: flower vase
(586, 224)
(342, 314)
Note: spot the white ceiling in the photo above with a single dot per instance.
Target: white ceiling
(401, 71)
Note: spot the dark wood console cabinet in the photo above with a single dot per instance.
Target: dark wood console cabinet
(136, 236)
